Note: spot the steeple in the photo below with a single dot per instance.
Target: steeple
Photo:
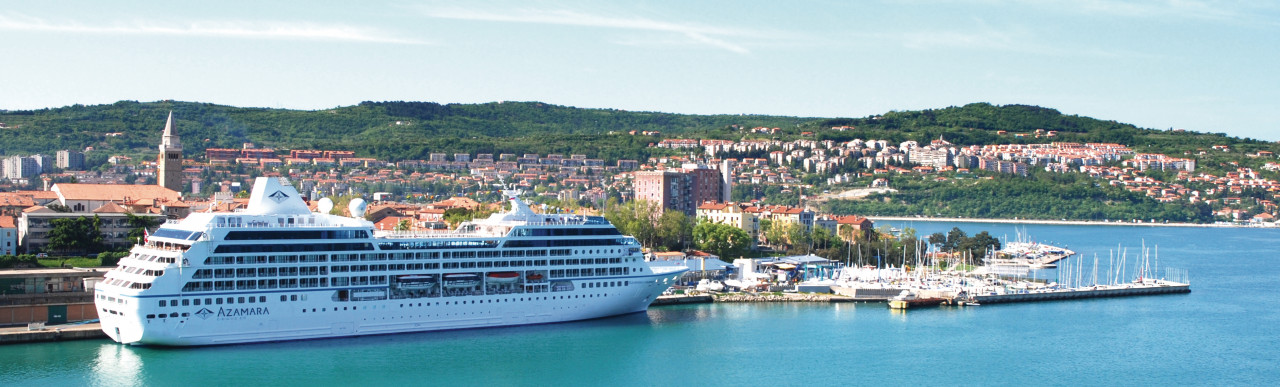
(170, 140)
(169, 163)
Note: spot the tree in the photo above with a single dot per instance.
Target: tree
(954, 238)
(139, 226)
(797, 238)
(938, 238)
(637, 218)
(978, 244)
(674, 229)
(76, 235)
(722, 240)
(457, 215)
(404, 225)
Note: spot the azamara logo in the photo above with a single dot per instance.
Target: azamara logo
(241, 312)
(204, 313)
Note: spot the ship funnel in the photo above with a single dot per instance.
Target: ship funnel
(274, 195)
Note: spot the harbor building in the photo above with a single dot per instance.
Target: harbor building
(52, 296)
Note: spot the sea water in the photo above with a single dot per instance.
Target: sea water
(1226, 331)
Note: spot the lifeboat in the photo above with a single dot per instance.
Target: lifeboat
(502, 277)
(533, 277)
(461, 280)
(415, 281)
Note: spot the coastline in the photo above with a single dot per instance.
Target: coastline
(1056, 222)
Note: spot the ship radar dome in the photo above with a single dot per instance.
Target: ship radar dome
(324, 205)
(357, 207)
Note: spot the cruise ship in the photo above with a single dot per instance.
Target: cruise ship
(278, 271)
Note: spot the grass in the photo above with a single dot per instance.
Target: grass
(70, 262)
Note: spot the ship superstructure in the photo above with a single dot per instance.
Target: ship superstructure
(278, 271)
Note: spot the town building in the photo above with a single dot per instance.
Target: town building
(70, 160)
(20, 167)
(8, 235)
(681, 189)
(36, 222)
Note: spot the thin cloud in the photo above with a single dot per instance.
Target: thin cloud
(705, 35)
(228, 29)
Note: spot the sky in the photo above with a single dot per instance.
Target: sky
(1200, 65)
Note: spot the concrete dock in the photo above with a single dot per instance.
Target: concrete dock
(1092, 292)
(22, 334)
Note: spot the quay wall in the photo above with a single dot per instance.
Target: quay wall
(76, 332)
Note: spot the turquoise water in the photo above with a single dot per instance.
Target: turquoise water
(1225, 332)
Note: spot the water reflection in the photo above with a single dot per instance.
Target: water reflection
(117, 365)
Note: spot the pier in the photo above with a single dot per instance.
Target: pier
(1150, 287)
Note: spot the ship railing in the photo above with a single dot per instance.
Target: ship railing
(271, 221)
(401, 234)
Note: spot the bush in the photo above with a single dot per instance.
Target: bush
(18, 261)
(69, 262)
(110, 258)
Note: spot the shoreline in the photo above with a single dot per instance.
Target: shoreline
(1054, 222)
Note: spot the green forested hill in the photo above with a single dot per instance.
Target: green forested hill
(410, 130)
(389, 130)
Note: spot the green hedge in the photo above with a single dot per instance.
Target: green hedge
(18, 261)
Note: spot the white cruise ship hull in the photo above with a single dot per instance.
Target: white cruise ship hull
(277, 271)
(319, 317)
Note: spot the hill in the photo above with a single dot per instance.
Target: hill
(388, 130)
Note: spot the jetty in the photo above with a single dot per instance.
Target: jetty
(1142, 288)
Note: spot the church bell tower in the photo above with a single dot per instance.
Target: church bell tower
(169, 165)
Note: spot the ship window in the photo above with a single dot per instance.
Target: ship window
(293, 297)
(219, 300)
(162, 302)
(252, 299)
(241, 300)
(284, 298)
(262, 299)
(151, 316)
(186, 302)
(208, 301)
(196, 301)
